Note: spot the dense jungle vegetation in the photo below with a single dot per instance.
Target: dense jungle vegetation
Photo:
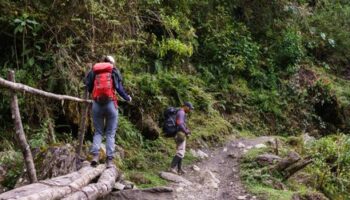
(250, 67)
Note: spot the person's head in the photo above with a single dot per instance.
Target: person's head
(109, 59)
(188, 107)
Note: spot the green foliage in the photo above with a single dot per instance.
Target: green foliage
(328, 38)
(127, 133)
(164, 89)
(234, 59)
(268, 102)
(12, 161)
(227, 50)
(39, 138)
(176, 46)
(331, 165)
(289, 50)
(258, 178)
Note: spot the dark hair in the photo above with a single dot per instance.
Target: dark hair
(104, 59)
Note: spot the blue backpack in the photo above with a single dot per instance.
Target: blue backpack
(169, 127)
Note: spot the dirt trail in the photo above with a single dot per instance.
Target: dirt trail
(218, 177)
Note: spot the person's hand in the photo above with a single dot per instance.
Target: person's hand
(188, 133)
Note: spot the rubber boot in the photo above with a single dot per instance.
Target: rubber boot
(179, 168)
(174, 164)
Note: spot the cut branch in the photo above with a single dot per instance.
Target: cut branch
(25, 88)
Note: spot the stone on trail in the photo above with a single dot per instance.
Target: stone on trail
(119, 186)
(307, 138)
(241, 145)
(164, 193)
(128, 185)
(179, 189)
(234, 170)
(242, 197)
(199, 154)
(174, 178)
(259, 146)
(209, 179)
(232, 155)
(196, 168)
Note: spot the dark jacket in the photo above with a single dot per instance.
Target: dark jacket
(117, 80)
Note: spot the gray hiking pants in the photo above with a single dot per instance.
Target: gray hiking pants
(105, 118)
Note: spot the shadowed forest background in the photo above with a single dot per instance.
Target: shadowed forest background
(250, 67)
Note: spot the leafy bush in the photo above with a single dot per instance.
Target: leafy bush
(13, 161)
(268, 101)
(227, 50)
(328, 39)
(127, 133)
(289, 50)
(331, 165)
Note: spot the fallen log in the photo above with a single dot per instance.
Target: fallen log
(104, 186)
(267, 159)
(55, 188)
(291, 158)
(296, 167)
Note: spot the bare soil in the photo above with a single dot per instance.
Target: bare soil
(223, 162)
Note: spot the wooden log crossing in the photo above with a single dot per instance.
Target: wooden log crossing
(76, 185)
(21, 138)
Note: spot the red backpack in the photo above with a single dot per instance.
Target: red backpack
(103, 90)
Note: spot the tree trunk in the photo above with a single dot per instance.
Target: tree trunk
(82, 128)
(51, 127)
(20, 135)
(100, 189)
(56, 188)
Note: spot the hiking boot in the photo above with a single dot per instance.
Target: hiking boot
(109, 162)
(181, 171)
(94, 161)
(173, 170)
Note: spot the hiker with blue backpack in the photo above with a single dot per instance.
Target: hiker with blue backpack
(175, 126)
(102, 82)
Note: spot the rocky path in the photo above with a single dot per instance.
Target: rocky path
(217, 176)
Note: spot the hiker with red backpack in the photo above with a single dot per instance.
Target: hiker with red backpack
(175, 126)
(102, 82)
